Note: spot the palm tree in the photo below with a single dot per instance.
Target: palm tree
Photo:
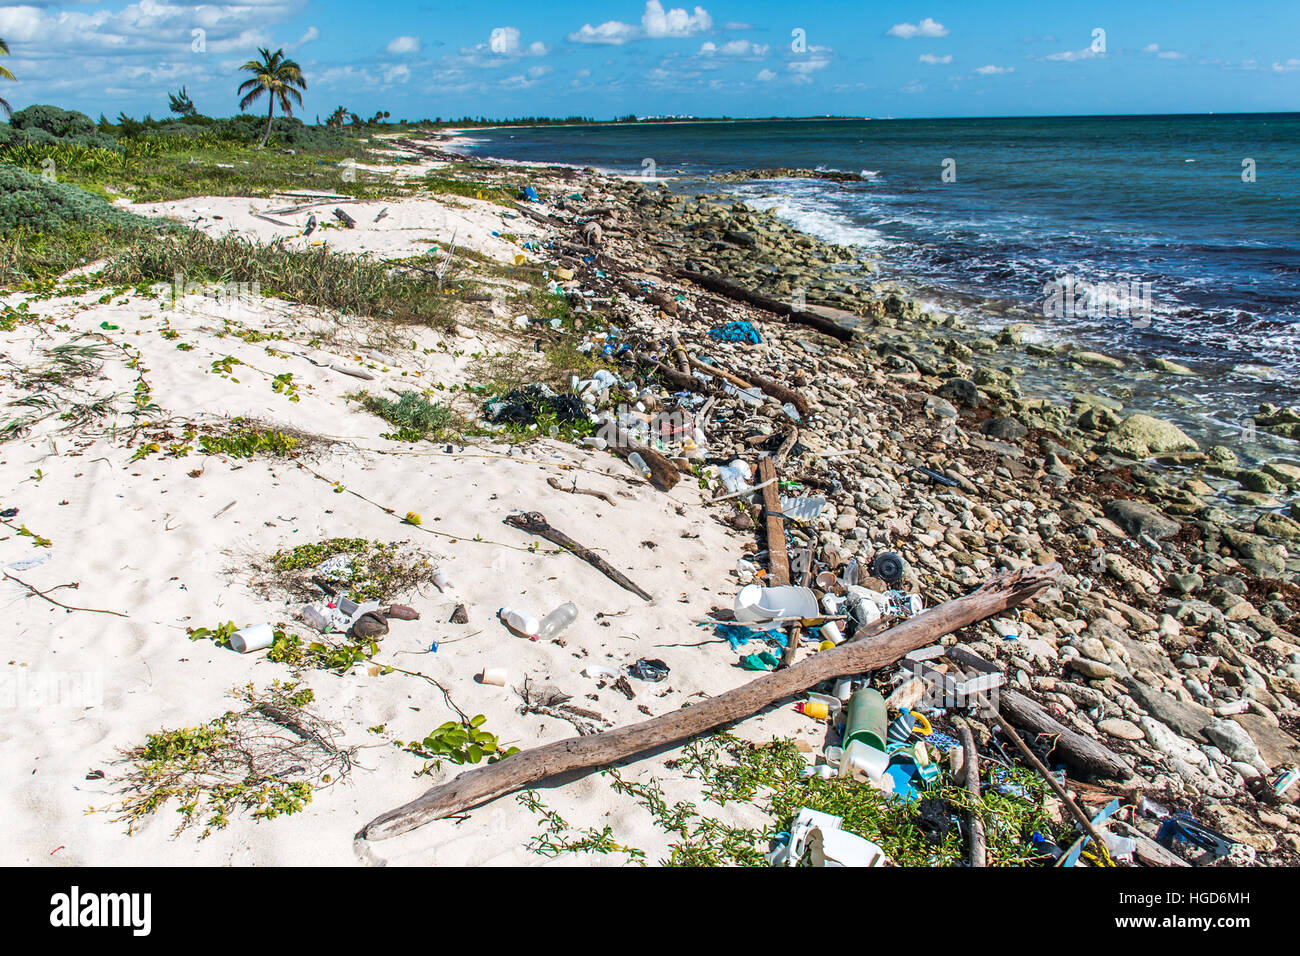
(277, 76)
(6, 75)
(181, 104)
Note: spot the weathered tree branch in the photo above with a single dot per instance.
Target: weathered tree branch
(598, 750)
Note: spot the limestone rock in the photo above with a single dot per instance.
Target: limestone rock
(1140, 436)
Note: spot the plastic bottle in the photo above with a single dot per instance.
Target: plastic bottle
(815, 709)
(557, 620)
(520, 623)
(637, 462)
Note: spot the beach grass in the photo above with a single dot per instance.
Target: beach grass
(162, 168)
(315, 277)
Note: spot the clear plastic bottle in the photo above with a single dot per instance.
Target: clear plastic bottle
(557, 620)
(520, 622)
(637, 462)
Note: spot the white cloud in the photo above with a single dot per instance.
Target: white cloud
(1287, 67)
(994, 70)
(735, 48)
(404, 45)
(675, 22)
(397, 74)
(612, 32)
(1069, 56)
(933, 59)
(537, 72)
(656, 23)
(929, 27)
(766, 76)
(913, 87)
(811, 65)
(311, 34)
(1163, 54)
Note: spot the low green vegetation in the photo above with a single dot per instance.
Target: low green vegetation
(338, 655)
(414, 415)
(249, 441)
(440, 184)
(49, 228)
(316, 277)
(558, 835)
(266, 759)
(219, 635)
(193, 155)
(364, 570)
(772, 776)
(460, 742)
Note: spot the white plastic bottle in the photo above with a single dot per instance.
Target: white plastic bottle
(557, 620)
(519, 622)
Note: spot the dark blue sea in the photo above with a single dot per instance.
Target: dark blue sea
(1204, 208)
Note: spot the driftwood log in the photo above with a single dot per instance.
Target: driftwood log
(1082, 753)
(534, 522)
(587, 753)
(782, 394)
(778, 562)
(971, 779)
(738, 293)
(664, 475)
(672, 376)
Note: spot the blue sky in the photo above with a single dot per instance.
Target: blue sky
(613, 57)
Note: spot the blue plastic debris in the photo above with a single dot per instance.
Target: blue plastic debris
(529, 194)
(737, 635)
(736, 332)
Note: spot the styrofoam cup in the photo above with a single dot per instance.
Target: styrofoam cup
(495, 676)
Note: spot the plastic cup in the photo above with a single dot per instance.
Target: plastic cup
(496, 676)
(863, 762)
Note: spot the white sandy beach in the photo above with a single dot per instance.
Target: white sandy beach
(166, 541)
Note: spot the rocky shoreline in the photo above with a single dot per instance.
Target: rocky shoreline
(1170, 639)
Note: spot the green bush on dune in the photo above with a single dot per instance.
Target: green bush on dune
(54, 120)
(28, 202)
(48, 228)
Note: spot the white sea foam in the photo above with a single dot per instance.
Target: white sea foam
(811, 213)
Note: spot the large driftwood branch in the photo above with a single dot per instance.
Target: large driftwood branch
(739, 293)
(778, 562)
(534, 522)
(599, 750)
(1080, 752)
(971, 775)
(672, 376)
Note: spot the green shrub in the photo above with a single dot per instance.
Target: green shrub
(54, 120)
(28, 202)
(414, 415)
